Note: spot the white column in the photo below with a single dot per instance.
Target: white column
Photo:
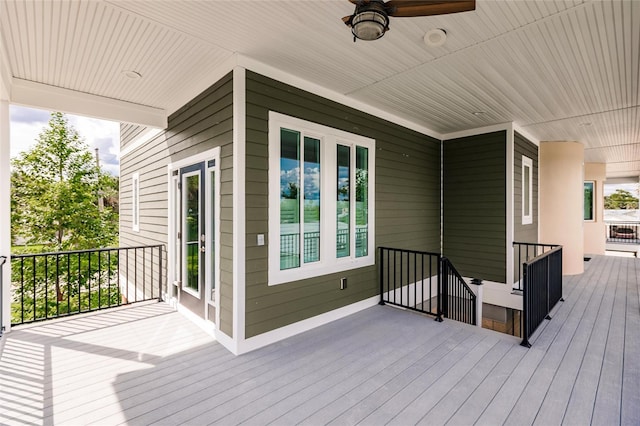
(5, 211)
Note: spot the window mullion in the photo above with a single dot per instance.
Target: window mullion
(301, 199)
(352, 202)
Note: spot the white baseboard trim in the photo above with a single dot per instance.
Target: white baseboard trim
(282, 333)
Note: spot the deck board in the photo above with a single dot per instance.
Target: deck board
(147, 364)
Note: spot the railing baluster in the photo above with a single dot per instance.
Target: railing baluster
(68, 283)
(34, 289)
(42, 276)
(79, 281)
(89, 278)
(57, 285)
(99, 280)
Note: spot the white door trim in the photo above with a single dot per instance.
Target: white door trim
(205, 156)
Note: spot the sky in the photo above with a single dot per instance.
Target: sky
(28, 123)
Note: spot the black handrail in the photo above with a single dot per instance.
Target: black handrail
(524, 252)
(541, 291)
(459, 301)
(424, 282)
(3, 260)
(54, 284)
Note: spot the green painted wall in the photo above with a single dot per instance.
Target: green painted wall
(524, 233)
(474, 210)
(203, 123)
(407, 202)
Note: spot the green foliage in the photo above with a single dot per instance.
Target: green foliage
(620, 200)
(55, 190)
(50, 285)
(291, 192)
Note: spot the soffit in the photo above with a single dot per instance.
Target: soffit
(549, 66)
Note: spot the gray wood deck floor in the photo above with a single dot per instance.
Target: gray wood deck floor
(148, 365)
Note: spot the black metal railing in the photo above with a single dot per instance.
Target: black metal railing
(3, 260)
(458, 300)
(51, 285)
(542, 289)
(623, 232)
(290, 246)
(524, 252)
(424, 282)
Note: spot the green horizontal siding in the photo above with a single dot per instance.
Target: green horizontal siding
(474, 208)
(203, 123)
(407, 202)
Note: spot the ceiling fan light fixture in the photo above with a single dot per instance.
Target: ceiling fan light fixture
(370, 21)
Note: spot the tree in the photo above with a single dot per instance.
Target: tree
(620, 200)
(55, 189)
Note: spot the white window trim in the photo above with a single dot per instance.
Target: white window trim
(593, 201)
(527, 219)
(135, 202)
(328, 263)
(195, 293)
(215, 215)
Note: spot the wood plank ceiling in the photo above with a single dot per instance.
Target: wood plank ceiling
(562, 70)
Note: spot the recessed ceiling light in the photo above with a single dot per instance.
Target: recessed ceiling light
(132, 74)
(478, 113)
(435, 37)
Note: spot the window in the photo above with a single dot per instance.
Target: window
(589, 197)
(135, 203)
(320, 200)
(527, 190)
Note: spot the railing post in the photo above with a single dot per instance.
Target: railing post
(381, 302)
(476, 285)
(441, 293)
(3, 259)
(525, 310)
(160, 273)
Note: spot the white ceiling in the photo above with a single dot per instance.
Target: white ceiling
(561, 70)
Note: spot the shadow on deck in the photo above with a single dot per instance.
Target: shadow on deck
(146, 364)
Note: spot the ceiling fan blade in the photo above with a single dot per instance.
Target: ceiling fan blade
(410, 8)
(347, 20)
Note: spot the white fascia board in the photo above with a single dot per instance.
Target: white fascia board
(38, 95)
(301, 83)
(478, 131)
(526, 135)
(194, 90)
(140, 140)
(239, 212)
(6, 76)
(510, 222)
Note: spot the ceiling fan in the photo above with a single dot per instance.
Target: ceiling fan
(371, 18)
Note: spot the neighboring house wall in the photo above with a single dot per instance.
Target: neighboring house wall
(474, 209)
(202, 124)
(407, 207)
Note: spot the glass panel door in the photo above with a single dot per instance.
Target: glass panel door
(193, 228)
